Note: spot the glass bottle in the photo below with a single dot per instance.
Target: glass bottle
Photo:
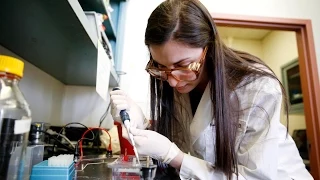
(15, 119)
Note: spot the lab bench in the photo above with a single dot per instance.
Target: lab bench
(95, 172)
(97, 169)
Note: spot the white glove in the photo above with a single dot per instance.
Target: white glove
(120, 101)
(155, 145)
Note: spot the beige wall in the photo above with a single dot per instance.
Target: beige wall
(253, 47)
(279, 48)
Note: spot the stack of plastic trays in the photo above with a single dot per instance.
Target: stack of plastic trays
(55, 168)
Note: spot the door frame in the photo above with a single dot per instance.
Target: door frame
(308, 69)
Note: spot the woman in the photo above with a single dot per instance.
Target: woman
(217, 110)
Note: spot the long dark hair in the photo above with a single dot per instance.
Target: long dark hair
(190, 23)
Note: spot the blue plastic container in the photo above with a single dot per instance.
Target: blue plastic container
(42, 171)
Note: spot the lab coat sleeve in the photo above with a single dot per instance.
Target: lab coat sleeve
(195, 168)
(258, 148)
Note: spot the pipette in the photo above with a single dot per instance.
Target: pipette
(126, 121)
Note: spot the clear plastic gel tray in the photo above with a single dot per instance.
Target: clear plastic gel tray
(127, 167)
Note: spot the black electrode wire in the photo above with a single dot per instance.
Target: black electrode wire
(57, 140)
(93, 136)
(103, 117)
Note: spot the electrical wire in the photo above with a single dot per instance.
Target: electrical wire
(103, 117)
(56, 139)
(50, 131)
(83, 135)
(59, 134)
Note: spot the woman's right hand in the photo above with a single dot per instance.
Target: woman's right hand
(120, 101)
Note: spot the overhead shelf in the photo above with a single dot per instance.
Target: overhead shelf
(53, 35)
(101, 7)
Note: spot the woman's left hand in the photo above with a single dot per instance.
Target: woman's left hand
(153, 144)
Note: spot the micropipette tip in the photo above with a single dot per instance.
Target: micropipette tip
(136, 153)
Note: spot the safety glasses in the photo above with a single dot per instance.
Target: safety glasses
(188, 73)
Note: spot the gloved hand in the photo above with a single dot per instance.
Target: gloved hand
(120, 101)
(155, 145)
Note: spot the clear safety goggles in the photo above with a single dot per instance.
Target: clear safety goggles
(188, 73)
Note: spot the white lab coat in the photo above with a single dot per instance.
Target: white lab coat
(263, 149)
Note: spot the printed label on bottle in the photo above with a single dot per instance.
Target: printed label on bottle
(22, 126)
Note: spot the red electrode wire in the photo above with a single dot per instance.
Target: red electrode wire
(83, 135)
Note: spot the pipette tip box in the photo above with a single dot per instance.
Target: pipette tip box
(42, 171)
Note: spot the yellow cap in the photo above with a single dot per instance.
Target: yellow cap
(11, 65)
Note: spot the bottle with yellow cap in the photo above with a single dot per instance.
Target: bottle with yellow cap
(15, 119)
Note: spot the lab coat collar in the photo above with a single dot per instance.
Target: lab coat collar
(203, 116)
